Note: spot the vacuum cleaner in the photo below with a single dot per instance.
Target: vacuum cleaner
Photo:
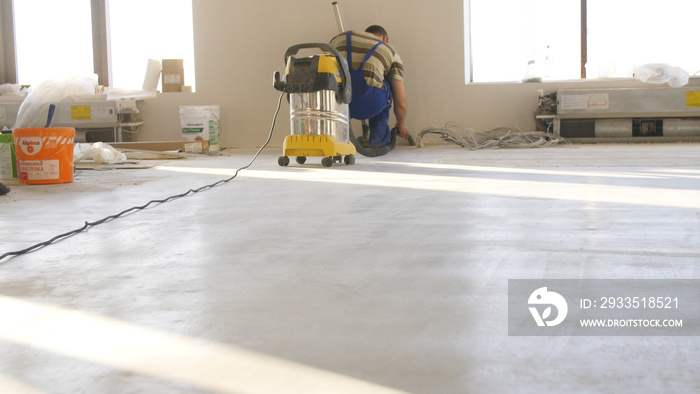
(318, 89)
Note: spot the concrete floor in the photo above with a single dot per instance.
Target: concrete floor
(387, 276)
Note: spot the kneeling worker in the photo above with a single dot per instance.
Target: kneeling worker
(376, 71)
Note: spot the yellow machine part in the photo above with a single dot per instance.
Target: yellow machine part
(316, 145)
(326, 64)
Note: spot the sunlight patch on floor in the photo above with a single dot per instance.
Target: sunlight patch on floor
(475, 181)
(168, 356)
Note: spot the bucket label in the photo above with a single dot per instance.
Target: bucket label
(8, 164)
(192, 130)
(33, 145)
(38, 169)
(30, 145)
(214, 131)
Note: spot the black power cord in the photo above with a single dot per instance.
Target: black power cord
(152, 202)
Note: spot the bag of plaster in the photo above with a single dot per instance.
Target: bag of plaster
(13, 90)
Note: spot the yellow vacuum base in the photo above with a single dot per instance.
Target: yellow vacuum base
(303, 146)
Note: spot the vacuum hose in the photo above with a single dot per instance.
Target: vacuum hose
(373, 152)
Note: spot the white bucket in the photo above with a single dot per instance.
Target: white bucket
(201, 123)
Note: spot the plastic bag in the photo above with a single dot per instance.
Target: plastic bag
(35, 108)
(14, 90)
(98, 152)
(659, 73)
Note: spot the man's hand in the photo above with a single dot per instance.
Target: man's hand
(402, 131)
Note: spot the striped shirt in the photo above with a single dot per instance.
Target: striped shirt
(385, 63)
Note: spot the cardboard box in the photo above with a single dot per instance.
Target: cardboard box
(8, 160)
(173, 75)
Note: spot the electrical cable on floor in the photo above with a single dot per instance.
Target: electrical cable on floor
(152, 202)
(496, 138)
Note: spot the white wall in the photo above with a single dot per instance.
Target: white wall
(240, 43)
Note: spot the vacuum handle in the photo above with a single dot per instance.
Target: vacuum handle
(294, 49)
(338, 19)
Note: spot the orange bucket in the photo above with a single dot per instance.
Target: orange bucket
(44, 155)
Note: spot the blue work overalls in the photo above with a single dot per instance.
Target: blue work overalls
(369, 102)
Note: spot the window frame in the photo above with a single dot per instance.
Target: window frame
(8, 54)
(100, 41)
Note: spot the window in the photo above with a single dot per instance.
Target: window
(53, 39)
(143, 29)
(515, 40)
(623, 33)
